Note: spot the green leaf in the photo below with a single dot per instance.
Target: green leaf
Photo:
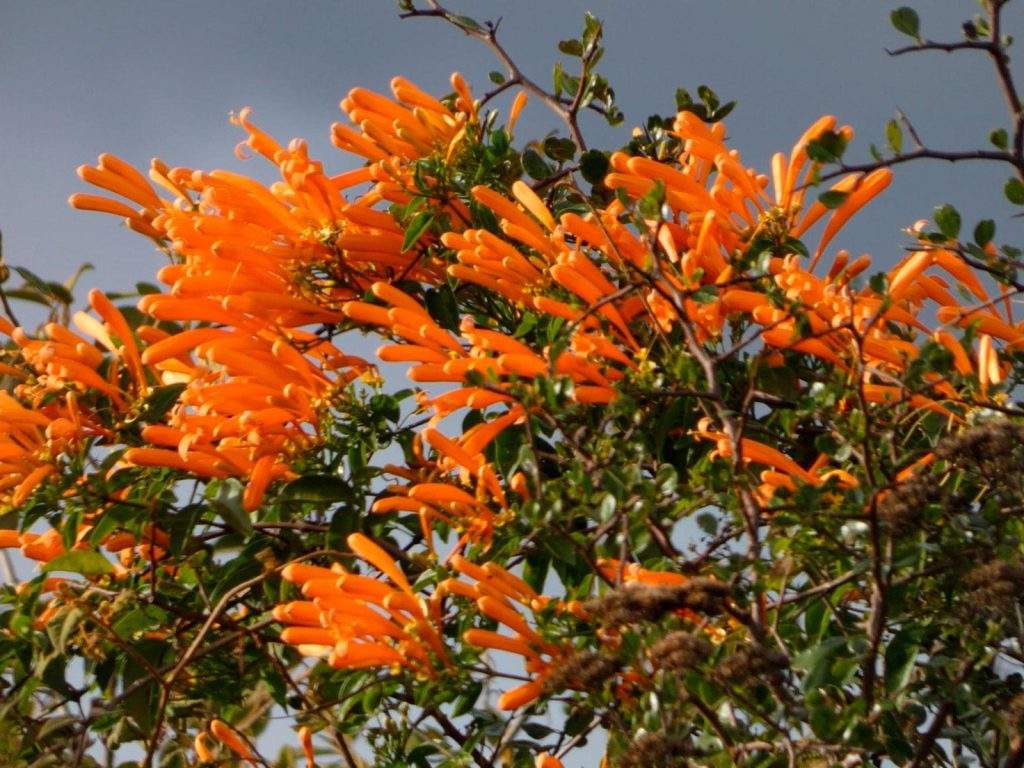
(496, 77)
(55, 291)
(145, 289)
(225, 498)
(879, 282)
(1014, 191)
(536, 166)
(894, 135)
(468, 23)
(948, 220)
(827, 148)
(705, 295)
(984, 232)
(464, 702)
(722, 112)
(906, 20)
(535, 570)
(318, 489)
(999, 138)
(571, 47)
(60, 293)
(419, 755)
(559, 149)
(709, 97)
(139, 620)
(833, 198)
(900, 655)
(557, 83)
(238, 570)
(344, 521)
(71, 621)
(26, 294)
(537, 730)
(86, 562)
(592, 27)
(53, 726)
(816, 620)
(797, 246)
(578, 721)
(649, 206)
(443, 307)
(500, 142)
(416, 228)
(159, 402)
(817, 662)
(594, 166)
(708, 523)
(606, 507)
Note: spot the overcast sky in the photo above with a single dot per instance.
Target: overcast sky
(144, 78)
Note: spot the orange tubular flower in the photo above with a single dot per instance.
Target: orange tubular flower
(231, 739)
(203, 753)
(32, 442)
(306, 740)
(517, 107)
(257, 403)
(262, 274)
(359, 621)
(989, 372)
(433, 495)
(785, 471)
(495, 594)
(545, 760)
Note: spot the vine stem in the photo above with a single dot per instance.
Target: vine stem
(994, 46)
(489, 36)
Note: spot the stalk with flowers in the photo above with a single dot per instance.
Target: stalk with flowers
(669, 479)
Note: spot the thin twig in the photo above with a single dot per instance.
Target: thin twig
(489, 37)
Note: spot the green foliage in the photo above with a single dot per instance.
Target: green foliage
(827, 148)
(948, 220)
(1014, 191)
(906, 20)
(708, 107)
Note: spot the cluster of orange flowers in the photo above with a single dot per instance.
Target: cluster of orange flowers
(258, 265)
(257, 269)
(254, 267)
(568, 269)
(358, 621)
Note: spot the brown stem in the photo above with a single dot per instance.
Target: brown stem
(922, 153)
(4, 272)
(489, 37)
(927, 742)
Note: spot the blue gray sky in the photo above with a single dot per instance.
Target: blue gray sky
(144, 78)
